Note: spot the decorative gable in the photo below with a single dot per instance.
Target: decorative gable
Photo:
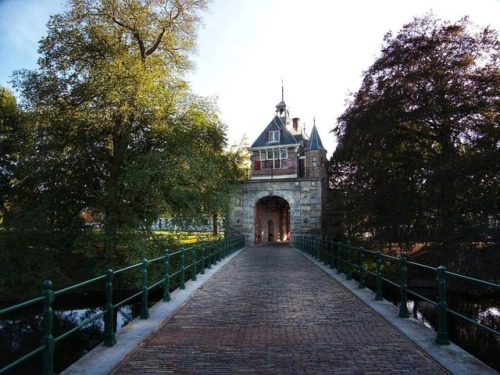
(275, 134)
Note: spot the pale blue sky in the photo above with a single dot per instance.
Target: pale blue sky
(319, 48)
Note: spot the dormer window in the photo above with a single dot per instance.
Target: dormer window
(273, 136)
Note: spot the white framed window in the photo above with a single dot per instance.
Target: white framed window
(275, 158)
(273, 136)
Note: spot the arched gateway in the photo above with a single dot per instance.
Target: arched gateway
(275, 212)
(287, 187)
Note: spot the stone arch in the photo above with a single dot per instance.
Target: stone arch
(271, 218)
(281, 194)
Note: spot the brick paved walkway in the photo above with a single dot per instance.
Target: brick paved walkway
(271, 311)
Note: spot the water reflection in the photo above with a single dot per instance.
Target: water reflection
(484, 310)
(23, 333)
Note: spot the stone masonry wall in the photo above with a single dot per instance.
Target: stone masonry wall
(303, 195)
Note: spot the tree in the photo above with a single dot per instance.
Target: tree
(11, 140)
(420, 139)
(117, 131)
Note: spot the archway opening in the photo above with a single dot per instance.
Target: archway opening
(272, 220)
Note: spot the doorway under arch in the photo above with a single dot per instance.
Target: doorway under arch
(272, 220)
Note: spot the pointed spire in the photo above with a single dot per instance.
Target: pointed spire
(281, 110)
(314, 142)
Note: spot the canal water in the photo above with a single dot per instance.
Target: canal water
(481, 309)
(21, 333)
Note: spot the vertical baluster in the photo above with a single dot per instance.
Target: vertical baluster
(378, 277)
(331, 248)
(213, 254)
(193, 266)
(144, 289)
(217, 250)
(203, 255)
(183, 271)
(349, 261)
(361, 268)
(48, 322)
(442, 332)
(324, 247)
(109, 315)
(166, 277)
(339, 259)
(403, 308)
(210, 257)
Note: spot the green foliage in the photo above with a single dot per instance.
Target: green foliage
(12, 138)
(112, 132)
(418, 158)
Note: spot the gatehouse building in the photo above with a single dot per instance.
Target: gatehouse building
(286, 191)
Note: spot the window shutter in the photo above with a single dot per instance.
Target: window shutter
(257, 165)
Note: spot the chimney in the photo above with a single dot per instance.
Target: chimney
(296, 122)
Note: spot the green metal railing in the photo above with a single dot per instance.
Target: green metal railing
(201, 256)
(347, 258)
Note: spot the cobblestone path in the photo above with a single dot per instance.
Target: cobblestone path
(272, 311)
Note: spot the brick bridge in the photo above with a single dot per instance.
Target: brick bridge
(269, 309)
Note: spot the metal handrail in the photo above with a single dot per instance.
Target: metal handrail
(224, 247)
(341, 256)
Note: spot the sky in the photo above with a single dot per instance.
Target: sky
(248, 50)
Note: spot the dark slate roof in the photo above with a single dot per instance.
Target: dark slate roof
(314, 142)
(286, 138)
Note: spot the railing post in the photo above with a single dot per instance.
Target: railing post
(48, 321)
(144, 289)
(331, 247)
(317, 241)
(349, 261)
(403, 308)
(378, 277)
(442, 332)
(193, 267)
(221, 245)
(324, 249)
(203, 255)
(217, 250)
(214, 254)
(109, 323)
(339, 268)
(361, 268)
(210, 258)
(183, 271)
(166, 277)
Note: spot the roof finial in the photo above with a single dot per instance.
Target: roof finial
(282, 90)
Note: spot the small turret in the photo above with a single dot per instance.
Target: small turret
(315, 154)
